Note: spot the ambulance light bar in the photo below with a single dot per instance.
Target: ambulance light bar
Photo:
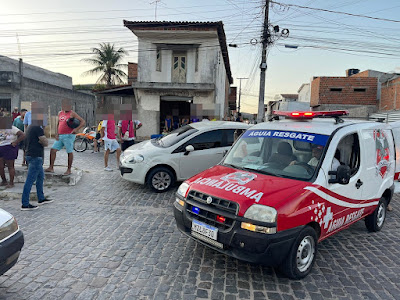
(311, 114)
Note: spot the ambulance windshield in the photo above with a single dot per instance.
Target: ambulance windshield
(279, 153)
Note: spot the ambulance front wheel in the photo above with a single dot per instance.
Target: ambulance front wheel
(374, 222)
(301, 257)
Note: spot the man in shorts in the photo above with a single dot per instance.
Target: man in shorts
(65, 135)
(110, 140)
(10, 137)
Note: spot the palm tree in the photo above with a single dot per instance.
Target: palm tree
(107, 60)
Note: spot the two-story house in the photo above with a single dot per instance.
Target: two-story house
(183, 72)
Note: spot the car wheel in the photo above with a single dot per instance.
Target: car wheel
(301, 257)
(160, 179)
(80, 145)
(374, 222)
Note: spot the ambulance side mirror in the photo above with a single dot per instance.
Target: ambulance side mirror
(188, 149)
(342, 175)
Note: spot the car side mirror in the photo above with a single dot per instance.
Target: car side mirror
(342, 175)
(188, 149)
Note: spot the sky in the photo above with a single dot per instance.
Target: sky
(57, 35)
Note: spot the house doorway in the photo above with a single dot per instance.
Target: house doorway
(174, 109)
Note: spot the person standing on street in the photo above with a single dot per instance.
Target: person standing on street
(65, 135)
(19, 123)
(97, 138)
(127, 128)
(127, 132)
(15, 113)
(11, 136)
(110, 140)
(35, 143)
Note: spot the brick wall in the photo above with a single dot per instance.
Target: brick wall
(132, 72)
(390, 95)
(322, 93)
(314, 97)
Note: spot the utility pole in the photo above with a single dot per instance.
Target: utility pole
(155, 11)
(240, 91)
(263, 66)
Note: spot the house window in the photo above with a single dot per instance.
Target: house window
(197, 60)
(361, 90)
(336, 89)
(158, 62)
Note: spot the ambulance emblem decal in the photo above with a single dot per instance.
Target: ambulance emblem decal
(239, 177)
(382, 153)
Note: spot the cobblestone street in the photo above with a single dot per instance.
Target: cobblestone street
(106, 238)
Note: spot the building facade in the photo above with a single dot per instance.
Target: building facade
(21, 83)
(357, 94)
(183, 71)
(304, 93)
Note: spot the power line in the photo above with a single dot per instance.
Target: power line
(337, 12)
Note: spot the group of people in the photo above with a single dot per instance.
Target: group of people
(31, 138)
(25, 131)
(106, 133)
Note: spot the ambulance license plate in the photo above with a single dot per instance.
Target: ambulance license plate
(204, 229)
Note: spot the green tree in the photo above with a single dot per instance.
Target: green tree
(107, 61)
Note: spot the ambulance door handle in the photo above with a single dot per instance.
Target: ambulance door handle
(359, 183)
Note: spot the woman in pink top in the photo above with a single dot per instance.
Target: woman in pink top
(65, 135)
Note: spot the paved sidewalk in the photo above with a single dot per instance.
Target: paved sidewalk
(106, 238)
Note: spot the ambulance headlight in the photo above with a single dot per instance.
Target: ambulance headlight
(182, 190)
(261, 213)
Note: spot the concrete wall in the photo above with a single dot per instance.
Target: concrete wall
(148, 109)
(221, 92)
(355, 111)
(51, 96)
(321, 92)
(36, 73)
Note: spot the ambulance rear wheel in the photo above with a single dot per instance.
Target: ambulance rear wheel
(374, 222)
(301, 257)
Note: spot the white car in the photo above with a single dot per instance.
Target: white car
(11, 241)
(179, 155)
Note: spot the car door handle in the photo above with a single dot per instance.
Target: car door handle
(359, 183)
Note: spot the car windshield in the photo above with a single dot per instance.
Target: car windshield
(175, 136)
(279, 153)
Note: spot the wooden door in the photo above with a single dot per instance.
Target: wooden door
(179, 68)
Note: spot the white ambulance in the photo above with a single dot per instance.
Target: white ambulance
(290, 183)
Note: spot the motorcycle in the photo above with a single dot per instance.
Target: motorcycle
(85, 139)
